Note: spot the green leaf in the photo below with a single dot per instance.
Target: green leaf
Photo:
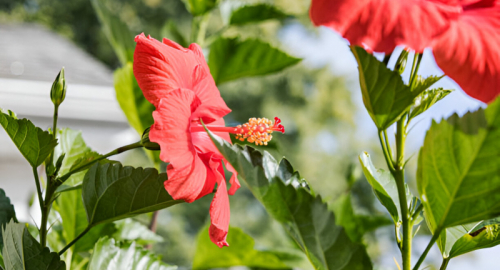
(137, 109)
(170, 31)
(241, 252)
(385, 95)
(117, 32)
(111, 192)
(76, 152)
(304, 216)
(255, 13)
(232, 58)
(23, 252)
(384, 186)
(120, 256)
(200, 7)
(7, 213)
(421, 84)
(33, 143)
(457, 174)
(131, 230)
(428, 98)
(356, 225)
(486, 237)
(70, 207)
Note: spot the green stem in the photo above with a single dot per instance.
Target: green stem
(400, 183)
(444, 264)
(388, 145)
(74, 240)
(43, 225)
(112, 153)
(414, 70)
(417, 212)
(429, 246)
(199, 29)
(387, 155)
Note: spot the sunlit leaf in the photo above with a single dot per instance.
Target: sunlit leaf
(241, 252)
(486, 237)
(458, 177)
(384, 186)
(137, 109)
(111, 255)
(128, 229)
(112, 192)
(385, 95)
(76, 152)
(428, 98)
(33, 143)
(232, 58)
(133, 103)
(421, 84)
(255, 13)
(7, 213)
(22, 252)
(304, 216)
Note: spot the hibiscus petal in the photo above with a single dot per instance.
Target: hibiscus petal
(160, 68)
(209, 159)
(219, 214)
(235, 184)
(381, 25)
(171, 130)
(468, 52)
(202, 141)
(163, 67)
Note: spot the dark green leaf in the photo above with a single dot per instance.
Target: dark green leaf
(119, 256)
(33, 143)
(131, 230)
(232, 58)
(23, 252)
(384, 186)
(6, 213)
(255, 13)
(385, 95)
(304, 216)
(428, 98)
(117, 32)
(200, 7)
(458, 174)
(112, 192)
(240, 252)
(356, 225)
(77, 153)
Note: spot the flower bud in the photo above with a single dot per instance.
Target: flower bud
(401, 62)
(58, 91)
(146, 143)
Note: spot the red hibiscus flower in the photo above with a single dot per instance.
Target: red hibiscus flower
(462, 33)
(178, 82)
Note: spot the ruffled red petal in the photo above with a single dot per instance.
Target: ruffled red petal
(468, 52)
(219, 212)
(381, 25)
(162, 67)
(171, 130)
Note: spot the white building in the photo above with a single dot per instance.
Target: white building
(30, 59)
